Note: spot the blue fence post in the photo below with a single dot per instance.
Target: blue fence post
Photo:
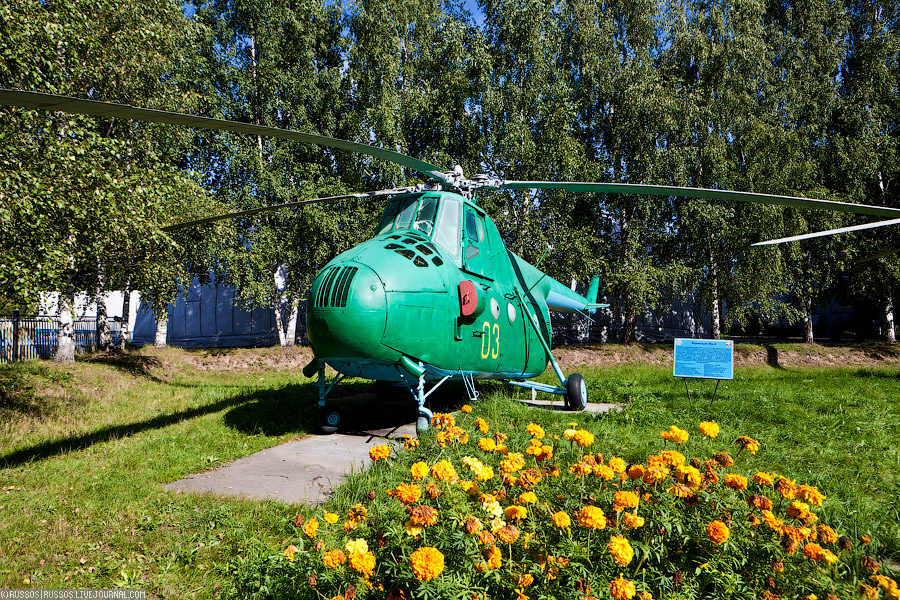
(15, 340)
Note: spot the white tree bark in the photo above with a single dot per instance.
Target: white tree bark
(807, 321)
(889, 334)
(292, 323)
(126, 320)
(65, 350)
(162, 327)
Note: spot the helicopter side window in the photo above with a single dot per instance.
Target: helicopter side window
(407, 211)
(446, 234)
(425, 219)
(474, 235)
(387, 217)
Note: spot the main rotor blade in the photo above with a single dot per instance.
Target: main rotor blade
(709, 194)
(68, 104)
(815, 234)
(253, 211)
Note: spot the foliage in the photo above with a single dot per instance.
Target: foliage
(535, 513)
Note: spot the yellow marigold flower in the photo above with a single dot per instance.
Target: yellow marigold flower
(621, 589)
(512, 463)
(569, 434)
(493, 556)
(689, 476)
(672, 458)
(466, 408)
(709, 428)
(617, 464)
(487, 444)
(535, 430)
(419, 470)
(442, 420)
(362, 562)
(583, 438)
(867, 591)
(735, 481)
(773, 523)
(407, 493)
(747, 443)
(870, 564)
(470, 487)
(561, 519)
(786, 487)
(357, 514)
(674, 434)
(357, 546)
(620, 549)
(625, 499)
(330, 518)
(411, 443)
(636, 471)
(444, 471)
(811, 494)
(827, 534)
(516, 513)
(412, 529)
(681, 491)
(379, 452)
(427, 563)
(422, 515)
(717, 532)
(591, 517)
(289, 552)
(527, 497)
(334, 558)
(603, 472)
(481, 424)
(655, 474)
(632, 520)
(763, 478)
(310, 528)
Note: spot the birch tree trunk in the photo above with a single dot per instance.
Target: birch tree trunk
(126, 320)
(65, 350)
(279, 321)
(629, 333)
(807, 321)
(889, 334)
(162, 327)
(103, 335)
(292, 322)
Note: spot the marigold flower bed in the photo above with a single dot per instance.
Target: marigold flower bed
(536, 513)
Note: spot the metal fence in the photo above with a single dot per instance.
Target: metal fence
(29, 338)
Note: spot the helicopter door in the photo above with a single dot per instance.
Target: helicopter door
(476, 257)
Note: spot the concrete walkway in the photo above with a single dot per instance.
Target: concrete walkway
(308, 470)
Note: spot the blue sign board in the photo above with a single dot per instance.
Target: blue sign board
(703, 359)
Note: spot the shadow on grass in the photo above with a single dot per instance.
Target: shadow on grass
(878, 373)
(112, 432)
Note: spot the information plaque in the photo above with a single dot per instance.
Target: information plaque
(703, 359)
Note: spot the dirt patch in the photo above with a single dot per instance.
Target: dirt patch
(222, 360)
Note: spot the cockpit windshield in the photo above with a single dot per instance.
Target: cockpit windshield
(421, 212)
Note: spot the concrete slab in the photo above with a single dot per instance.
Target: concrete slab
(305, 470)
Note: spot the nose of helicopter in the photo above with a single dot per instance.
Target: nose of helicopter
(347, 311)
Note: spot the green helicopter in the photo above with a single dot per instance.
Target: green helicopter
(435, 295)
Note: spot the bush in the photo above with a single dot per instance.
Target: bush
(470, 511)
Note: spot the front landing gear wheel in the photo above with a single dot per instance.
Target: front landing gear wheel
(576, 392)
(329, 421)
(422, 423)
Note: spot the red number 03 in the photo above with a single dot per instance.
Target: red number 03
(490, 340)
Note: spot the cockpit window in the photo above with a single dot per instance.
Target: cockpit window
(434, 216)
(427, 212)
(447, 234)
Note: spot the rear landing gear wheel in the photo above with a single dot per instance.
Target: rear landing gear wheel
(576, 392)
(329, 421)
(422, 423)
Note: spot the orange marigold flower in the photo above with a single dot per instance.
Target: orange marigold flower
(620, 549)
(763, 478)
(672, 458)
(487, 444)
(362, 562)
(493, 556)
(724, 459)
(334, 558)
(466, 408)
(776, 525)
(406, 493)
(507, 534)
(786, 487)
(681, 491)
(591, 517)
(583, 437)
(311, 527)
(411, 443)
(760, 502)
(735, 481)
(603, 472)
(632, 520)
(516, 513)
(379, 452)
(636, 471)
(357, 514)
(481, 424)
(561, 519)
(674, 434)
(717, 532)
(870, 564)
(422, 515)
(535, 430)
(621, 589)
(625, 499)
(444, 471)
(655, 474)
(442, 420)
(747, 443)
(527, 497)
(827, 534)
(811, 494)
(486, 538)
(867, 591)
(709, 428)
(289, 552)
(512, 463)
(427, 563)
(617, 464)
(689, 476)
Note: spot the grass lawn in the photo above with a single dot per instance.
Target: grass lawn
(85, 450)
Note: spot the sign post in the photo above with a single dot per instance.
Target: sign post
(703, 359)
